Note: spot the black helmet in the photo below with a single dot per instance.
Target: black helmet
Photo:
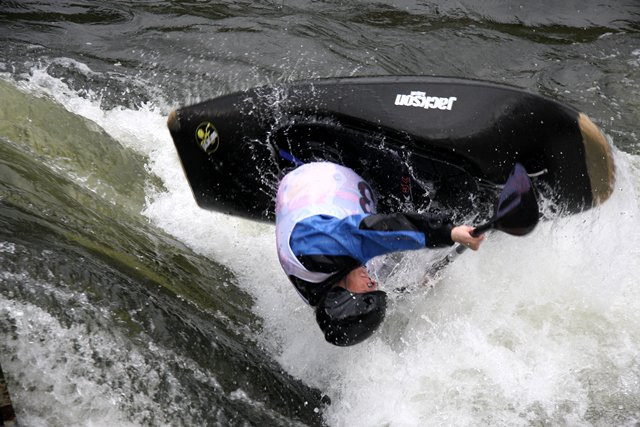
(347, 318)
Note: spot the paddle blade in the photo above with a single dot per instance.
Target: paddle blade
(517, 208)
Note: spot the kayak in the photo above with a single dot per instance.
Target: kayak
(422, 143)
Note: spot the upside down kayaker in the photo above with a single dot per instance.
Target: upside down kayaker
(327, 229)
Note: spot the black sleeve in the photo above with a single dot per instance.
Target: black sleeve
(437, 229)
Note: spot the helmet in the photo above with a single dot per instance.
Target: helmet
(348, 318)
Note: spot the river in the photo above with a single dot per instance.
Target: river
(123, 303)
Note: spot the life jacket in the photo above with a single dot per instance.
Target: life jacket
(316, 189)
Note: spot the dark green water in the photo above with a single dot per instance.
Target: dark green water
(122, 303)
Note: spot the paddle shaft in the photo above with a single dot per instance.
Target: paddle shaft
(515, 213)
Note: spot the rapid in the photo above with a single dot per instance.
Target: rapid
(123, 303)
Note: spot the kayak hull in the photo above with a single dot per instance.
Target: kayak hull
(421, 142)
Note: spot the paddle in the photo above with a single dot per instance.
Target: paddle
(516, 211)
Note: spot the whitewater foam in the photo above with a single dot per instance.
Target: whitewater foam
(540, 329)
(534, 329)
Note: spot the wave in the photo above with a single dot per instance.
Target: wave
(542, 329)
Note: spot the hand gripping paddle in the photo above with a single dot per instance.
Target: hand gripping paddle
(516, 211)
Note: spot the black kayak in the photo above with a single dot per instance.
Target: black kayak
(421, 142)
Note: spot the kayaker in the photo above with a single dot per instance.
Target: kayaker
(327, 229)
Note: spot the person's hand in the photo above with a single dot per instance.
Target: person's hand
(462, 234)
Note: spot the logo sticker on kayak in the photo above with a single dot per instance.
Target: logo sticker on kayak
(420, 99)
(207, 137)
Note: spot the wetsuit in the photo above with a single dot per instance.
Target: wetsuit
(326, 225)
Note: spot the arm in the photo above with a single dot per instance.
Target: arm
(323, 239)
(435, 230)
